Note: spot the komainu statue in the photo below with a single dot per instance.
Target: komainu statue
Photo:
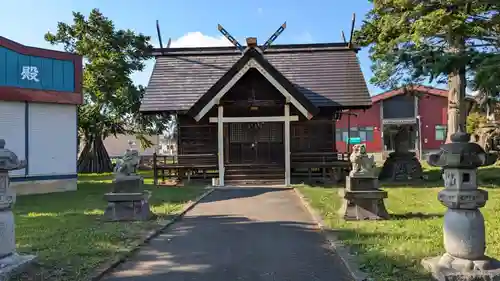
(128, 164)
(362, 164)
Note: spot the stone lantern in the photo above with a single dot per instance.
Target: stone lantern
(463, 230)
(10, 261)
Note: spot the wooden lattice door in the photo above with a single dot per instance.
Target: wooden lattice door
(251, 143)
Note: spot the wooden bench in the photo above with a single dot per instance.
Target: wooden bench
(183, 166)
(321, 165)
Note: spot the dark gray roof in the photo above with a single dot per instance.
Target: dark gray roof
(327, 74)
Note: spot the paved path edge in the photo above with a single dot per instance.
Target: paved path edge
(335, 243)
(107, 267)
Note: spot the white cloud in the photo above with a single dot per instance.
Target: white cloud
(198, 39)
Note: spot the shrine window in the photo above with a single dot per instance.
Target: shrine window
(366, 134)
(440, 132)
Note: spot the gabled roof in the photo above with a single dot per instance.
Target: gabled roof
(418, 88)
(328, 75)
(253, 58)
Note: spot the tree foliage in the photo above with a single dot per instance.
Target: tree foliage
(111, 100)
(444, 41)
(474, 121)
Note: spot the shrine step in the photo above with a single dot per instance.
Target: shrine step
(258, 182)
(254, 175)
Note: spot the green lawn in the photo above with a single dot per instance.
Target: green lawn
(65, 229)
(392, 249)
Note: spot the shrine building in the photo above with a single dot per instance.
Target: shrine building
(257, 114)
(39, 93)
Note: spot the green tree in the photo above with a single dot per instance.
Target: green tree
(474, 121)
(447, 41)
(111, 100)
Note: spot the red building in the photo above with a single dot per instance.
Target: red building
(423, 110)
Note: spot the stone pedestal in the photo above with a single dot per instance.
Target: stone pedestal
(128, 201)
(128, 184)
(363, 200)
(128, 207)
(463, 229)
(10, 261)
(401, 166)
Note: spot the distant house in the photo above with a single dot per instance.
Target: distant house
(423, 110)
(167, 146)
(116, 146)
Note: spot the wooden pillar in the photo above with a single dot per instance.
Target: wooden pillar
(287, 145)
(220, 143)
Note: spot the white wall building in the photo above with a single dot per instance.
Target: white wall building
(45, 135)
(39, 93)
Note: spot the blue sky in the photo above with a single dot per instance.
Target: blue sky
(193, 22)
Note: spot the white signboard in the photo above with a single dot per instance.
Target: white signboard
(30, 73)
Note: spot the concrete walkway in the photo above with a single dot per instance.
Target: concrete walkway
(254, 234)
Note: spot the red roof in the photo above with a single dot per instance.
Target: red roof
(424, 89)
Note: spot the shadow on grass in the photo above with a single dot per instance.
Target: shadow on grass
(381, 266)
(412, 215)
(66, 231)
(109, 176)
(489, 176)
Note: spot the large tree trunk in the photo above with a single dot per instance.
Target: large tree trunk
(94, 158)
(457, 84)
(457, 115)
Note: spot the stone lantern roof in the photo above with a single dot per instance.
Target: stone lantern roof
(461, 153)
(8, 159)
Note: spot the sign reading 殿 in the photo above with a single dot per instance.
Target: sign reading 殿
(22, 71)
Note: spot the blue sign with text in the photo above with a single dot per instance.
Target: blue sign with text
(22, 71)
(354, 140)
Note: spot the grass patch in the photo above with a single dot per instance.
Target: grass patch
(392, 250)
(65, 229)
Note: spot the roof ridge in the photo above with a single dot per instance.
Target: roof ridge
(234, 51)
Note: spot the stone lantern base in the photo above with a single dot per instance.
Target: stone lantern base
(13, 264)
(448, 268)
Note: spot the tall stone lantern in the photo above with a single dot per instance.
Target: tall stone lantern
(10, 260)
(463, 230)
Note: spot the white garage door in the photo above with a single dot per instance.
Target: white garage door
(52, 139)
(12, 129)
